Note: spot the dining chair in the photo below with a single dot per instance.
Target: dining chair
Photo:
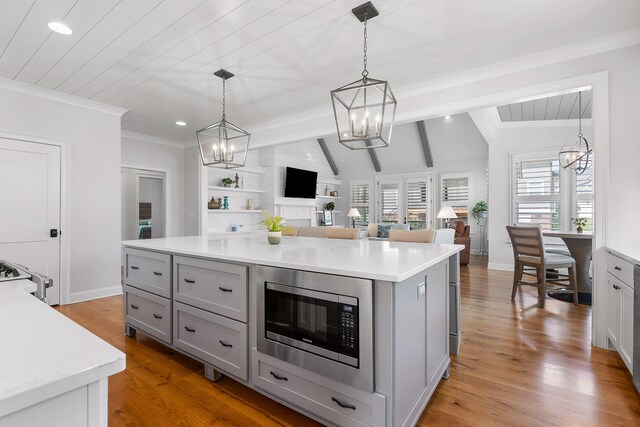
(312, 232)
(289, 230)
(342, 233)
(530, 256)
(416, 236)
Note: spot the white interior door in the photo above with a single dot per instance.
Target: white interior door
(30, 208)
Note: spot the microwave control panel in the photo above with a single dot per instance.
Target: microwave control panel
(348, 326)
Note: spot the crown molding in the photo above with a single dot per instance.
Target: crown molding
(319, 122)
(151, 139)
(64, 98)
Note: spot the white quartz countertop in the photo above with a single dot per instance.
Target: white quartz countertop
(378, 260)
(43, 353)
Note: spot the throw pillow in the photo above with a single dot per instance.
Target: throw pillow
(383, 231)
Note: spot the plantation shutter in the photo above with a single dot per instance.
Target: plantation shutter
(537, 193)
(389, 202)
(455, 193)
(417, 204)
(359, 199)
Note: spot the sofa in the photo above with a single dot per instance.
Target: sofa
(463, 237)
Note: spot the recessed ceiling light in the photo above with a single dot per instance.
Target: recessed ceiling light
(447, 117)
(181, 123)
(59, 27)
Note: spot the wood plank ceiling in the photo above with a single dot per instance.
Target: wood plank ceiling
(156, 57)
(559, 107)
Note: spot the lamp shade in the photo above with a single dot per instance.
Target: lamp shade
(353, 213)
(447, 212)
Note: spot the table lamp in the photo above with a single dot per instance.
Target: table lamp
(446, 213)
(353, 214)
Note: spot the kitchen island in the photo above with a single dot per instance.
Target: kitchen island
(216, 299)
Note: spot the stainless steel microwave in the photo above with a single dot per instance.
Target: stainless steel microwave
(320, 322)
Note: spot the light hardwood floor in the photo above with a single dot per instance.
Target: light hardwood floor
(518, 365)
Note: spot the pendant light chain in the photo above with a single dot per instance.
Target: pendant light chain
(224, 98)
(580, 114)
(365, 73)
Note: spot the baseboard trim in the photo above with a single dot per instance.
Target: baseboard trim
(95, 294)
(498, 266)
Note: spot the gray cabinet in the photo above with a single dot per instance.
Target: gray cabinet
(149, 271)
(212, 338)
(620, 294)
(210, 285)
(148, 312)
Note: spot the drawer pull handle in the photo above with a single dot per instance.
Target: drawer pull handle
(189, 329)
(225, 289)
(616, 287)
(157, 316)
(224, 344)
(343, 405)
(157, 273)
(278, 377)
(617, 268)
(133, 267)
(135, 307)
(189, 281)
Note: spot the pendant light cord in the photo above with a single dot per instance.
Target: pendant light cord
(365, 73)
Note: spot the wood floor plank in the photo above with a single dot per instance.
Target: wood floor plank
(519, 365)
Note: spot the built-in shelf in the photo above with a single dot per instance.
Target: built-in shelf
(328, 197)
(247, 169)
(236, 211)
(329, 181)
(235, 190)
(319, 212)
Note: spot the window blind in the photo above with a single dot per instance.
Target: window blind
(537, 193)
(417, 204)
(455, 193)
(389, 202)
(359, 198)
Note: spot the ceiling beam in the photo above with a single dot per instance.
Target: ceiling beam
(328, 156)
(424, 142)
(374, 157)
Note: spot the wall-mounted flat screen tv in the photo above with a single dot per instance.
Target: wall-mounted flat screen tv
(300, 183)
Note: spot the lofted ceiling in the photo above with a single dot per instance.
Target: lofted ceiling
(156, 57)
(559, 107)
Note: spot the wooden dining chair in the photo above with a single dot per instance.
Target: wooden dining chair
(342, 233)
(417, 236)
(289, 230)
(530, 256)
(312, 232)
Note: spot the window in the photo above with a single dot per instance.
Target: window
(389, 202)
(455, 193)
(359, 198)
(417, 203)
(536, 194)
(584, 197)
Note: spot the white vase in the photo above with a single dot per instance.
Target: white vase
(274, 237)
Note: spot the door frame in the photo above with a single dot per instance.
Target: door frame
(65, 225)
(167, 192)
(402, 178)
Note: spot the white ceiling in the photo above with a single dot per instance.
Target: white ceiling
(559, 107)
(156, 57)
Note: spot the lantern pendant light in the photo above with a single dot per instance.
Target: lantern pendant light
(223, 144)
(576, 155)
(365, 109)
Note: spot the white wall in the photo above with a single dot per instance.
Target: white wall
(191, 214)
(511, 138)
(91, 131)
(147, 152)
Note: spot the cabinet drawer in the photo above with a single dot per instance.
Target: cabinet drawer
(148, 312)
(215, 339)
(620, 268)
(319, 400)
(150, 271)
(213, 286)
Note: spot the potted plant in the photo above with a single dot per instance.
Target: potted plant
(226, 182)
(330, 206)
(480, 210)
(580, 224)
(274, 227)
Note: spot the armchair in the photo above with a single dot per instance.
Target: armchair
(463, 237)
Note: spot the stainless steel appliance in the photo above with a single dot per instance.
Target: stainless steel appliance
(636, 326)
(320, 322)
(10, 271)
